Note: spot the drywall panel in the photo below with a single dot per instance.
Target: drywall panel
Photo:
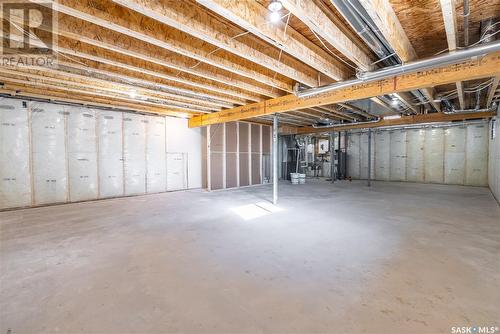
(49, 153)
(180, 138)
(476, 153)
(244, 160)
(110, 138)
(454, 155)
(382, 155)
(434, 155)
(82, 153)
(176, 171)
(363, 151)
(266, 139)
(134, 153)
(156, 171)
(398, 155)
(231, 137)
(15, 181)
(353, 157)
(415, 141)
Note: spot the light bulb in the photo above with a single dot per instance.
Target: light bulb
(275, 6)
(133, 94)
(275, 17)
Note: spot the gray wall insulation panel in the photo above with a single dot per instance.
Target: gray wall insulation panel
(110, 153)
(156, 170)
(82, 154)
(244, 170)
(231, 137)
(49, 153)
(363, 151)
(382, 155)
(476, 151)
(244, 156)
(353, 157)
(231, 170)
(454, 155)
(256, 168)
(15, 181)
(434, 155)
(244, 133)
(176, 171)
(217, 138)
(398, 155)
(216, 171)
(255, 138)
(266, 139)
(134, 153)
(415, 141)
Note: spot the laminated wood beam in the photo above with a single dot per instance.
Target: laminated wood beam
(486, 66)
(129, 23)
(252, 16)
(201, 24)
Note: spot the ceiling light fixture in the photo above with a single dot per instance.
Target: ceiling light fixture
(133, 94)
(275, 17)
(275, 6)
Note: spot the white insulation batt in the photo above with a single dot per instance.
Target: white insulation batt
(15, 177)
(455, 154)
(52, 153)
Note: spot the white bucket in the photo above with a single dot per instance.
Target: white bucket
(302, 178)
(295, 178)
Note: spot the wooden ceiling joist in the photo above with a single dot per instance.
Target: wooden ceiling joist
(492, 90)
(195, 21)
(382, 13)
(315, 18)
(488, 66)
(110, 16)
(448, 8)
(253, 17)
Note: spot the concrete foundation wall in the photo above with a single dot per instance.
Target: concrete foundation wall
(53, 153)
(456, 154)
(494, 158)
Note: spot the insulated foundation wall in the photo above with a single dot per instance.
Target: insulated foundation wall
(494, 157)
(456, 154)
(53, 153)
(238, 155)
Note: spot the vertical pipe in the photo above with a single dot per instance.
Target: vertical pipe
(275, 159)
(332, 156)
(369, 157)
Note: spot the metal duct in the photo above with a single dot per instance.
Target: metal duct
(420, 65)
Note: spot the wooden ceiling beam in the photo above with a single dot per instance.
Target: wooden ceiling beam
(404, 120)
(45, 82)
(201, 24)
(386, 20)
(253, 17)
(129, 23)
(492, 90)
(57, 76)
(26, 90)
(487, 66)
(448, 9)
(314, 17)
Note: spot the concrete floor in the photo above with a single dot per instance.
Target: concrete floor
(394, 258)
